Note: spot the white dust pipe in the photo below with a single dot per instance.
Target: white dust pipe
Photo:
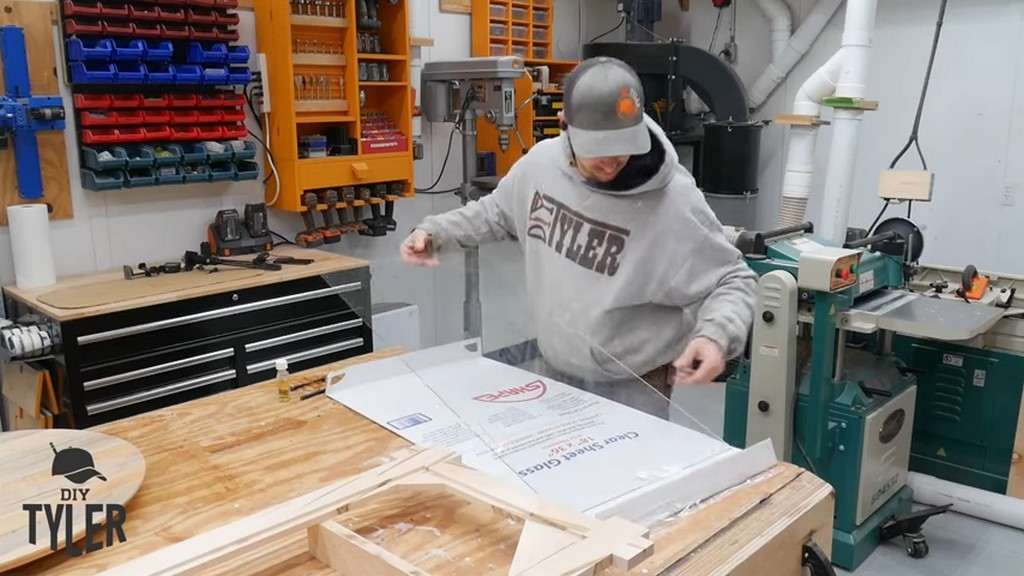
(798, 45)
(799, 175)
(781, 24)
(846, 123)
(998, 508)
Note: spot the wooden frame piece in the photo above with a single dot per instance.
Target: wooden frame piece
(800, 120)
(555, 540)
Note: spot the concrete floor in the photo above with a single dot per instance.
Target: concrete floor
(959, 545)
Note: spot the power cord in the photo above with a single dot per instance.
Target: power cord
(250, 93)
(913, 139)
(617, 26)
(470, 94)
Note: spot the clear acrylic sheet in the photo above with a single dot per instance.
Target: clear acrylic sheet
(492, 397)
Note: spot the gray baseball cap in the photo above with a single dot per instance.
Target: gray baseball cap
(604, 109)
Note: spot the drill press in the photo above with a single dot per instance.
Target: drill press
(461, 91)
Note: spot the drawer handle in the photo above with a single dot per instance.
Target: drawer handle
(306, 355)
(311, 333)
(221, 313)
(115, 403)
(158, 369)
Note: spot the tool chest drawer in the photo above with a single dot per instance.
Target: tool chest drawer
(129, 361)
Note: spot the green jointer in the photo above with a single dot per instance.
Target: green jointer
(842, 363)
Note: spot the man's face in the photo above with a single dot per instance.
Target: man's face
(602, 169)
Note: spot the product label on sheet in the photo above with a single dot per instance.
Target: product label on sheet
(867, 281)
(767, 350)
(521, 427)
(979, 378)
(952, 360)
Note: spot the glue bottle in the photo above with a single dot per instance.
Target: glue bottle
(284, 394)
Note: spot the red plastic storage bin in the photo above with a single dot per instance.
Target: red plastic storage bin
(156, 132)
(183, 133)
(184, 117)
(97, 118)
(92, 101)
(156, 116)
(155, 101)
(232, 132)
(125, 100)
(181, 100)
(89, 9)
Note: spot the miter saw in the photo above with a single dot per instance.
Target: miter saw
(822, 379)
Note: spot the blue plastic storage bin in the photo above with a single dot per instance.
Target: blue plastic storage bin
(215, 157)
(215, 54)
(160, 74)
(190, 154)
(99, 181)
(238, 54)
(169, 175)
(131, 73)
(167, 154)
(246, 170)
(247, 153)
(159, 51)
(79, 49)
(239, 75)
(222, 171)
(139, 156)
(214, 75)
(91, 158)
(188, 74)
(139, 177)
(126, 50)
(92, 72)
(196, 173)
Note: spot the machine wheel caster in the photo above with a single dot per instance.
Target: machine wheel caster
(909, 527)
(917, 546)
(815, 560)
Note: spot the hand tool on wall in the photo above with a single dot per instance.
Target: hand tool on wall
(394, 192)
(23, 115)
(310, 237)
(331, 231)
(375, 224)
(355, 223)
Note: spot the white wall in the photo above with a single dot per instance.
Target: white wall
(157, 224)
(972, 131)
(971, 134)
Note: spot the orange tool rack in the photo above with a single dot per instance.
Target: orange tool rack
(524, 29)
(318, 60)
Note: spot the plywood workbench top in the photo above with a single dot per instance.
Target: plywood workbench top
(218, 459)
(324, 262)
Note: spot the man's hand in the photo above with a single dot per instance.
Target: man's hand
(418, 249)
(701, 362)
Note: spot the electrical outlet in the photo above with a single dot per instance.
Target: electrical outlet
(1009, 194)
(263, 105)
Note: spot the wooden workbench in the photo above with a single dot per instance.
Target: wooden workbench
(121, 300)
(217, 459)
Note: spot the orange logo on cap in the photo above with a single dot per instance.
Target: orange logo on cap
(629, 103)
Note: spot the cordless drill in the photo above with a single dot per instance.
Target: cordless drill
(310, 237)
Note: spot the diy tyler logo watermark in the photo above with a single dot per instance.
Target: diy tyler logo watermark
(76, 465)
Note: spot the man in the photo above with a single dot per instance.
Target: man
(628, 271)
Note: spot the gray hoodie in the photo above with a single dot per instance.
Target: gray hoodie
(614, 278)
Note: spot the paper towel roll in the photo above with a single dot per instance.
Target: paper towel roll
(30, 243)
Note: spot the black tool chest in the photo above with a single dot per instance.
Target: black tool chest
(119, 364)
